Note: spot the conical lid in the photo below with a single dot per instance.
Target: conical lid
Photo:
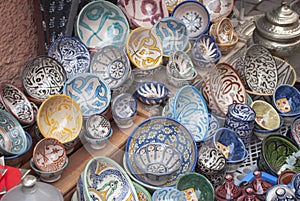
(31, 190)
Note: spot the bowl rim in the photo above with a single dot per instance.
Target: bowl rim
(158, 193)
(29, 145)
(139, 188)
(35, 168)
(141, 84)
(88, 138)
(101, 116)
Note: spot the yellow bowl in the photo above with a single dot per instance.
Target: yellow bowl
(60, 117)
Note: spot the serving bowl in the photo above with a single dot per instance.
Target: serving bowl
(152, 92)
(90, 92)
(162, 130)
(168, 193)
(194, 15)
(144, 48)
(43, 77)
(71, 53)
(13, 138)
(15, 102)
(101, 23)
(112, 65)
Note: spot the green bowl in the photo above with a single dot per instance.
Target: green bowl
(202, 186)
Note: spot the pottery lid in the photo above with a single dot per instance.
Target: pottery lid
(281, 23)
(32, 190)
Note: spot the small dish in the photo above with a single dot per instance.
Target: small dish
(218, 9)
(71, 53)
(167, 194)
(194, 15)
(97, 126)
(101, 23)
(152, 93)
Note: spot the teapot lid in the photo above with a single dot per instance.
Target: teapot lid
(282, 15)
(32, 190)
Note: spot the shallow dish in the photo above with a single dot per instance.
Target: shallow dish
(71, 53)
(42, 77)
(167, 194)
(112, 64)
(90, 91)
(60, 117)
(218, 8)
(152, 93)
(101, 23)
(194, 15)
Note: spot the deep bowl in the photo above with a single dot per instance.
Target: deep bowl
(225, 48)
(152, 92)
(101, 23)
(218, 9)
(180, 82)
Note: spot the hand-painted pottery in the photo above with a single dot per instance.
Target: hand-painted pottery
(13, 139)
(16, 103)
(142, 193)
(207, 94)
(201, 185)
(218, 8)
(104, 179)
(48, 176)
(168, 193)
(98, 143)
(280, 192)
(42, 77)
(286, 176)
(228, 190)
(112, 64)
(266, 116)
(152, 93)
(295, 130)
(180, 65)
(294, 183)
(49, 155)
(260, 69)
(144, 13)
(97, 126)
(144, 48)
(180, 82)
(224, 30)
(162, 130)
(173, 34)
(194, 15)
(90, 91)
(60, 117)
(171, 4)
(225, 48)
(214, 124)
(71, 53)
(101, 23)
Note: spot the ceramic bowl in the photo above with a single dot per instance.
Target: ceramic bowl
(13, 138)
(142, 193)
(173, 34)
(194, 15)
(42, 77)
(143, 13)
(218, 9)
(144, 48)
(162, 130)
(168, 193)
(100, 174)
(266, 116)
(214, 124)
(285, 177)
(97, 126)
(124, 109)
(90, 92)
(225, 48)
(49, 176)
(98, 143)
(199, 185)
(295, 130)
(158, 161)
(294, 183)
(60, 117)
(49, 155)
(223, 30)
(71, 53)
(15, 101)
(112, 64)
(279, 191)
(180, 82)
(152, 93)
(101, 23)
(180, 65)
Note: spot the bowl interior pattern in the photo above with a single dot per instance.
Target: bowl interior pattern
(168, 193)
(98, 126)
(152, 92)
(218, 9)
(124, 106)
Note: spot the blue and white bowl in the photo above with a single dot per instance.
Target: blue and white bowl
(90, 91)
(152, 92)
(168, 194)
(71, 53)
(97, 143)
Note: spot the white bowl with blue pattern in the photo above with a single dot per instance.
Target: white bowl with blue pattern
(168, 193)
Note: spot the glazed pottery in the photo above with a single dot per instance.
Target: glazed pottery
(162, 130)
(13, 138)
(280, 192)
(295, 130)
(260, 186)
(60, 117)
(97, 126)
(194, 15)
(266, 116)
(101, 23)
(142, 193)
(97, 143)
(152, 92)
(224, 31)
(168, 193)
(294, 184)
(214, 124)
(285, 177)
(71, 53)
(228, 190)
(202, 187)
(173, 34)
(180, 65)
(49, 155)
(42, 77)
(225, 48)
(218, 8)
(90, 92)
(112, 65)
(15, 101)
(180, 82)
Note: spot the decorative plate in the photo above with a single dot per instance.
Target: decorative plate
(71, 53)
(42, 77)
(112, 64)
(90, 92)
(218, 8)
(260, 69)
(104, 179)
(163, 130)
(101, 23)
(194, 15)
(226, 87)
(173, 34)
(144, 48)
